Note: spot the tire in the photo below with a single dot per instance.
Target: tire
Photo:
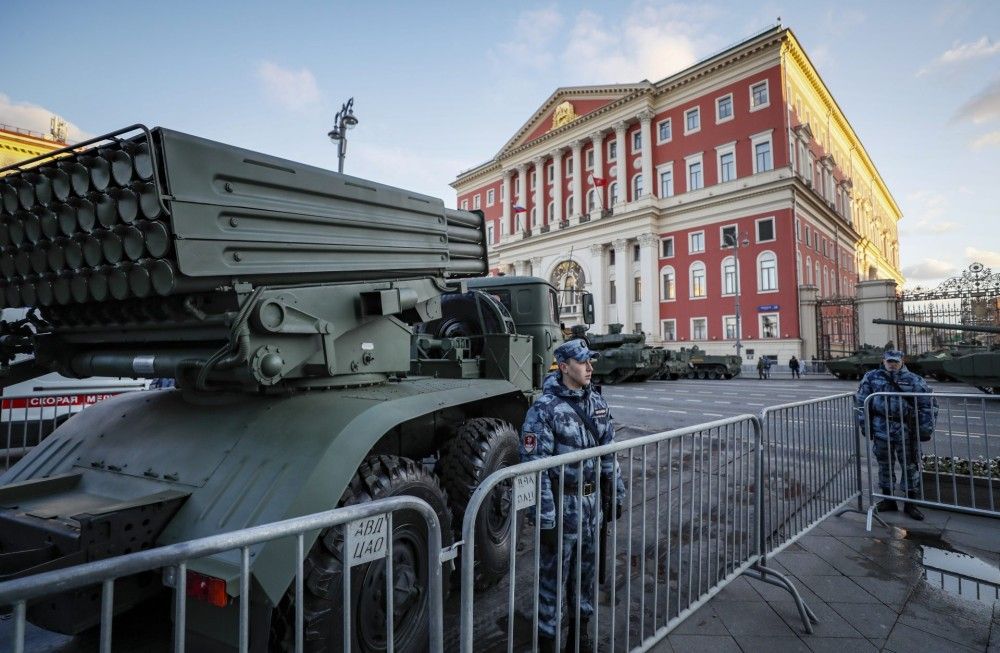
(702, 374)
(691, 374)
(481, 446)
(713, 374)
(378, 477)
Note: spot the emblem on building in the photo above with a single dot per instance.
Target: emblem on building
(564, 113)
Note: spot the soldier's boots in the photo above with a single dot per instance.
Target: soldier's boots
(911, 509)
(887, 505)
(586, 641)
(546, 644)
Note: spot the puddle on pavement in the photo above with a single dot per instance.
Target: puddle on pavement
(955, 572)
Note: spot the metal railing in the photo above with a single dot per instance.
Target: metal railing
(956, 469)
(688, 529)
(372, 519)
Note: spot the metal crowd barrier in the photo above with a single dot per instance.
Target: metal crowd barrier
(957, 469)
(688, 529)
(175, 557)
(26, 420)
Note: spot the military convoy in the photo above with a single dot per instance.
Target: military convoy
(332, 340)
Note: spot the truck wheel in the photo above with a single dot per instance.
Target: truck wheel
(713, 374)
(481, 446)
(323, 622)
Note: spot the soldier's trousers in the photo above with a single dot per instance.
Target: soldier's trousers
(548, 562)
(888, 453)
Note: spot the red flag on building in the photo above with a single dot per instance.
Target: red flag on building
(599, 181)
(519, 209)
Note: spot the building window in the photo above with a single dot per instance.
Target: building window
(695, 178)
(668, 284)
(759, 96)
(534, 217)
(612, 150)
(611, 257)
(696, 242)
(637, 141)
(637, 289)
(765, 230)
(476, 204)
(491, 195)
(550, 173)
(569, 165)
(636, 253)
(729, 327)
(489, 232)
(699, 328)
(636, 187)
(667, 183)
(727, 166)
(612, 292)
(727, 236)
(592, 200)
(613, 193)
(637, 327)
(698, 286)
(667, 247)
(569, 208)
(517, 185)
(768, 325)
(663, 131)
(590, 159)
(729, 276)
(503, 193)
(762, 156)
(669, 329)
(798, 230)
(465, 205)
(809, 270)
(724, 108)
(550, 212)
(767, 272)
(692, 120)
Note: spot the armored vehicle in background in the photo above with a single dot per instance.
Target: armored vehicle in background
(332, 343)
(857, 364)
(624, 356)
(930, 364)
(694, 363)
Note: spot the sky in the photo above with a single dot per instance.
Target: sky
(439, 87)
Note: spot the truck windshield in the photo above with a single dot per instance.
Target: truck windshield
(554, 306)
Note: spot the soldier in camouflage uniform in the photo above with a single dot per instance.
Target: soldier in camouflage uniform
(554, 426)
(897, 426)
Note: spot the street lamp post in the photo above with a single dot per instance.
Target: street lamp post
(731, 240)
(344, 120)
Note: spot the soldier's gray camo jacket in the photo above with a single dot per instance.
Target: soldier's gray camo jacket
(913, 422)
(552, 428)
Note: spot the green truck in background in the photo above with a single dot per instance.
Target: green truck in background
(333, 341)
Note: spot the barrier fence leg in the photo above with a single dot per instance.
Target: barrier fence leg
(760, 572)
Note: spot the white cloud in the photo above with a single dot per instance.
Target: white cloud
(928, 213)
(928, 268)
(983, 107)
(984, 256)
(534, 31)
(295, 90)
(29, 116)
(409, 168)
(990, 139)
(966, 51)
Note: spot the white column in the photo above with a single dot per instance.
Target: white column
(623, 282)
(621, 174)
(598, 283)
(646, 129)
(520, 268)
(522, 197)
(539, 192)
(536, 266)
(557, 187)
(597, 138)
(648, 259)
(507, 200)
(577, 179)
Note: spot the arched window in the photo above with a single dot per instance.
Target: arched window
(534, 217)
(668, 283)
(729, 276)
(613, 193)
(819, 280)
(809, 270)
(636, 187)
(699, 287)
(550, 213)
(592, 200)
(798, 268)
(569, 208)
(827, 281)
(767, 272)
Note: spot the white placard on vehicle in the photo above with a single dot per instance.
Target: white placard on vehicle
(524, 491)
(367, 540)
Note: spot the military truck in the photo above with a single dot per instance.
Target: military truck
(332, 343)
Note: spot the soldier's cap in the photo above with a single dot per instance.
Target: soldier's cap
(575, 349)
(893, 355)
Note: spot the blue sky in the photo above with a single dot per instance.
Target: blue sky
(440, 86)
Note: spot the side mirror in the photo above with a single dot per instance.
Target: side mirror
(588, 308)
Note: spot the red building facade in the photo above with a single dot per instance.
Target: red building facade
(638, 194)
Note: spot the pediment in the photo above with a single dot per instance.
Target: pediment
(566, 106)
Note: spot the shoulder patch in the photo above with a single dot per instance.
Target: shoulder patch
(600, 412)
(529, 441)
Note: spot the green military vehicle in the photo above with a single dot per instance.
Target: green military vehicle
(695, 363)
(857, 364)
(930, 364)
(332, 343)
(624, 356)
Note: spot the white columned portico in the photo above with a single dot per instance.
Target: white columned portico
(506, 228)
(623, 282)
(648, 259)
(621, 168)
(597, 138)
(577, 178)
(558, 182)
(598, 283)
(646, 127)
(522, 196)
(539, 192)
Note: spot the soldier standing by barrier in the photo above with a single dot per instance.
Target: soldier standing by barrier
(898, 425)
(570, 416)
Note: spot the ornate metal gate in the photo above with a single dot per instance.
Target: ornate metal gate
(970, 299)
(836, 327)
